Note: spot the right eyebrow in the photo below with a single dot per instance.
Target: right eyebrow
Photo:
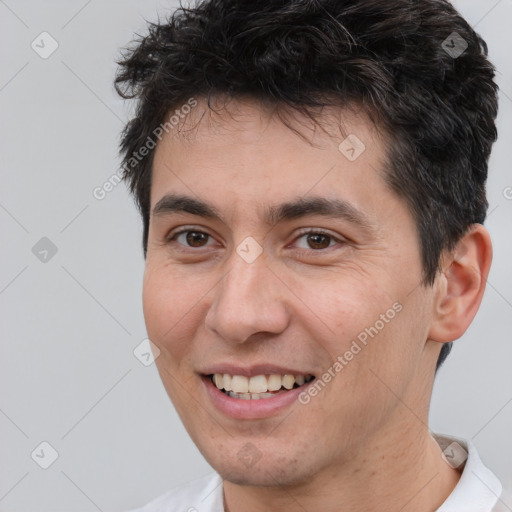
(175, 203)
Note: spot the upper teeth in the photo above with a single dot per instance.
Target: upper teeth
(258, 383)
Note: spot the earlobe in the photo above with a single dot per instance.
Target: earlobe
(461, 285)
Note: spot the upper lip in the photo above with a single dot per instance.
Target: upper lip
(251, 371)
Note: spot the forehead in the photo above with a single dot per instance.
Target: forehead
(237, 142)
(222, 116)
(243, 156)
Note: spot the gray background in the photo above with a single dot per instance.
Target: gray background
(68, 375)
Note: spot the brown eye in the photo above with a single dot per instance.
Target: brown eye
(196, 238)
(318, 240)
(190, 238)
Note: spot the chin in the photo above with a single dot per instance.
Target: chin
(262, 477)
(269, 470)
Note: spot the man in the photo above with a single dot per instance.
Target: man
(311, 178)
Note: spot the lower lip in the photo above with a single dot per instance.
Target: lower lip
(241, 409)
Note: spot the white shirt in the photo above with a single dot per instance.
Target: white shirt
(478, 489)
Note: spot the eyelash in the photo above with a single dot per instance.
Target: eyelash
(173, 236)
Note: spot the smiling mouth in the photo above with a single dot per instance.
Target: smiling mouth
(259, 386)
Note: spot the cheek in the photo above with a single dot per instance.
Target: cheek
(369, 338)
(349, 307)
(392, 344)
(169, 309)
(172, 314)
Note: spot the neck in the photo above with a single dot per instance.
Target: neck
(401, 470)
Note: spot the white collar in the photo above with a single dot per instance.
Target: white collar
(478, 489)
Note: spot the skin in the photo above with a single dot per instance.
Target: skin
(363, 442)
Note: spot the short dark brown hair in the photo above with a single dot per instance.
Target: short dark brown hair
(416, 68)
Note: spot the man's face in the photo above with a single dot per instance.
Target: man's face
(248, 294)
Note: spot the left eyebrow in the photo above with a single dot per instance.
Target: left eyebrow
(321, 206)
(295, 209)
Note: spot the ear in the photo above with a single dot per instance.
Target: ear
(461, 285)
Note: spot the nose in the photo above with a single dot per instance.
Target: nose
(248, 300)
